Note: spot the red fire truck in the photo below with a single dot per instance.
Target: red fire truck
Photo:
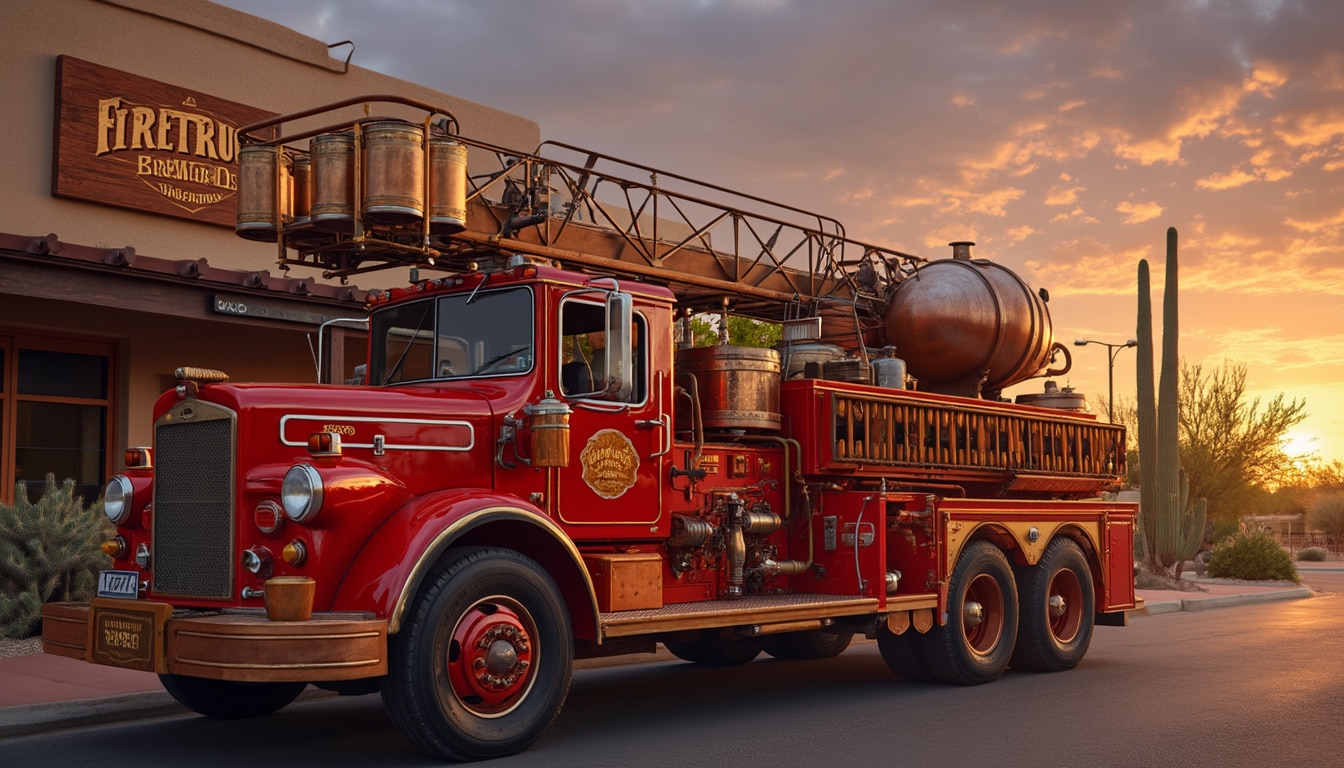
(536, 464)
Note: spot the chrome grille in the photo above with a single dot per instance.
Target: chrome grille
(193, 502)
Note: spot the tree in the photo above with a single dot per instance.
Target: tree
(1326, 477)
(1229, 445)
(1232, 449)
(1326, 514)
(742, 332)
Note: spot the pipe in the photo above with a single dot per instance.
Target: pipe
(737, 558)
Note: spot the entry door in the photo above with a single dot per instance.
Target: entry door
(611, 488)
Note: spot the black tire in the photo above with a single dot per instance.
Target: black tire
(976, 643)
(714, 649)
(483, 663)
(1058, 610)
(904, 654)
(228, 700)
(814, 644)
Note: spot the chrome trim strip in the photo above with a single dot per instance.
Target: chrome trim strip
(180, 662)
(471, 431)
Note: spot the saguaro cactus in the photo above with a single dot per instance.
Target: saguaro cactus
(1172, 528)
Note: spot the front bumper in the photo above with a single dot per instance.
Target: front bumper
(236, 645)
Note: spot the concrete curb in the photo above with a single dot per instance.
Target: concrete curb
(1226, 601)
(62, 715)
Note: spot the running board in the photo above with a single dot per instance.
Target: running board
(764, 610)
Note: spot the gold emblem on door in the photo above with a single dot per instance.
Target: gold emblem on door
(609, 463)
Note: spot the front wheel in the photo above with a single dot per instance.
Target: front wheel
(482, 667)
(228, 700)
(1058, 610)
(975, 644)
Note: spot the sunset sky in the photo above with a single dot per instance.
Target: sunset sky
(1062, 137)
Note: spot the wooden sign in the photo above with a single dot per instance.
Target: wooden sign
(131, 142)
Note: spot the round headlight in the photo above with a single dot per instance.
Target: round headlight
(118, 498)
(301, 493)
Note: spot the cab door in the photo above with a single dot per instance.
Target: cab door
(619, 443)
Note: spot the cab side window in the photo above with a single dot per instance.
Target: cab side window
(583, 352)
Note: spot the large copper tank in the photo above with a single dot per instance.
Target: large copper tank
(960, 319)
(738, 387)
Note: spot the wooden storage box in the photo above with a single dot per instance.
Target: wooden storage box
(627, 581)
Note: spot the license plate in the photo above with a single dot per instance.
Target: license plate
(128, 634)
(122, 584)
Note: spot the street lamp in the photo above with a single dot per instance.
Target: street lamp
(1112, 350)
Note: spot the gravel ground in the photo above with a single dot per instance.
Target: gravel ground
(9, 647)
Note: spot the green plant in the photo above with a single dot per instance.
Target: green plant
(48, 551)
(1252, 555)
(1311, 555)
(1326, 514)
(1173, 527)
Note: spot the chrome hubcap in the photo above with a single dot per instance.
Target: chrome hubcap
(972, 614)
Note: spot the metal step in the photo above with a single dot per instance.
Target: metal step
(762, 610)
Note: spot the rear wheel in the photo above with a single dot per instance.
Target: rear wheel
(483, 665)
(228, 700)
(715, 649)
(1058, 610)
(904, 654)
(975, 644)
(814, 644)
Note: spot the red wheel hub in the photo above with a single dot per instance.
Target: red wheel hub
(1064, 605)
(983, 614)
(490, 658)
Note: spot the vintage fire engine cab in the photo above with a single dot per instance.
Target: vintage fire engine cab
(538, 464)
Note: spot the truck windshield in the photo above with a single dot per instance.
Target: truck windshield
(450, 337)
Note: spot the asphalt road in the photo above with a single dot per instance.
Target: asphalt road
(1255, 685)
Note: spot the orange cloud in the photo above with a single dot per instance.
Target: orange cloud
(1231, 180)
(1137, 213)
(1063, 194)
(1098, 271)
(1312, 130)
(994, 202)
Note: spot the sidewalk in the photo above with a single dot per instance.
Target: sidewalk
(41, 693)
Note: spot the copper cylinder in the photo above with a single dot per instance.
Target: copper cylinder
(959, 320)
(447, 186)
(333, 170)
(300, 228)
(394, 173)
(738, 387)
(263, 187)
(302, 177)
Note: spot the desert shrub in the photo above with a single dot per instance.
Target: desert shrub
(1326, 514)
(1221, 529)
(1311, 555)
(48, 551)
(1251, 555)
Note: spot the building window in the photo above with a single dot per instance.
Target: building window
(55, 413)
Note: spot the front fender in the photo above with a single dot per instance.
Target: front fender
(389, 569)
